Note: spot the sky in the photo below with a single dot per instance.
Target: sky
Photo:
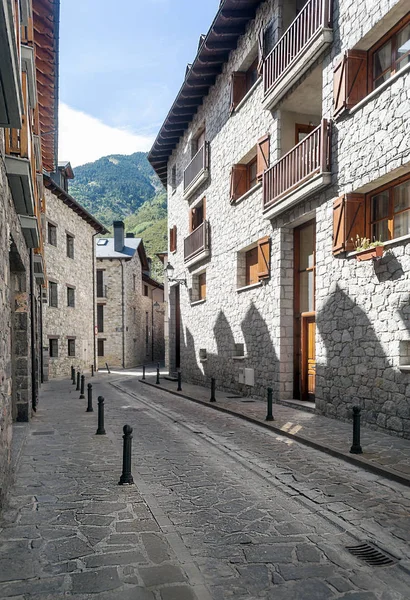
(121, 65)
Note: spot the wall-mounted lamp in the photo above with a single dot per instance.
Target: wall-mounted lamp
(169, 270)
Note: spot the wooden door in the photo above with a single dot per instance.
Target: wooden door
(308, 357)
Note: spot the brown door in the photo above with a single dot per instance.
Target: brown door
(308, 366)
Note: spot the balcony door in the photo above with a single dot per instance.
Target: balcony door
(304, 311)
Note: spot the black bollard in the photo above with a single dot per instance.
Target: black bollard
(73, 375)
(212, 399)
(356, 448)
(72, 371)
(108, 368)
(179, 388)
(126, 477)
(157, 381)
(92, 370)
(77, 389)
(82, 387)
(269, 416)
(143, 371)
(90, 398)
(100, 430)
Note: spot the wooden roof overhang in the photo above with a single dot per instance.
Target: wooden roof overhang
(229, 24)
(46, 16)
(73, 204)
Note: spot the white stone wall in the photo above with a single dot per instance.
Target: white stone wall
(362, 309)
(65, 321)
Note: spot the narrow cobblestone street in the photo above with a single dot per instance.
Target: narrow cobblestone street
(221, 508)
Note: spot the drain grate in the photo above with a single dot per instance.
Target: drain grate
(43, 433)
(372, 555)
(232, 397)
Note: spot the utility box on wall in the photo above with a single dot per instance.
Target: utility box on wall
(246, 376)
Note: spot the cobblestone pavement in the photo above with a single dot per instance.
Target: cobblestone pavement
(382, 451)
(221, 509)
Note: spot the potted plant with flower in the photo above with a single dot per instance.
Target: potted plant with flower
(367, 250)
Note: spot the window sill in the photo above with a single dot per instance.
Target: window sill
(258, 186)
(198, 302)
(247, 95)
(379, 90)
(239, 357)
(203, 360)
(249, 287)
(404, 367)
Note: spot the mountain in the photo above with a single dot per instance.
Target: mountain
(125, 188)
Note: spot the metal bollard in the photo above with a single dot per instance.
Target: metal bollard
(157, 381)
(143, 371)
(126, 477)
(108, 368)
(179, 388)
(73, 375)
(92, 370)
(90, 398)
(82, 387)
(72, 371)
(356, 447)
(213, 382)
(100, 430)
(77, 389)
(269, 416)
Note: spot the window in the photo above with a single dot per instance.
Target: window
(242, 82)
(134, 282)
(390, 211)
(134, 315)
(100, 283)
(244, 176)
(70, 296)
(52, 234)
(174, 178)
(71, 347)
(53, 347)
(70, 245)
(198, 291)
(202, 286)
(254, 263)
(198, 142)
(53, 294)
(146, 292)
(173, 239)
(146, 334)
(390, 54)
(100, 317)
(197, 215)
(100, 347)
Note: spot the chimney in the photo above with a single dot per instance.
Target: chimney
(118, 236)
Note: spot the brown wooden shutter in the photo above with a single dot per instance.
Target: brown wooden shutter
(239, 181)
(173, 239)
(264, 258)
(262, 155)
(348, 222)
(349, 81)
(238, 88)
(261, 43)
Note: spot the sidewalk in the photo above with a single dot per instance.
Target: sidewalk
(382, 454)
(70, 531)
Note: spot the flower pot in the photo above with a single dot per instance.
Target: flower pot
(370, 253)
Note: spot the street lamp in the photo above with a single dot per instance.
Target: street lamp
(169, 271)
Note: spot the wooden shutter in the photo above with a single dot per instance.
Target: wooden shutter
(264, 258)
(349, 81)
(238, 89)
(252, 266)
(261, 54)
(173, 239)
(348, 222)
(262, 156)
(202, 286)
(239, 181)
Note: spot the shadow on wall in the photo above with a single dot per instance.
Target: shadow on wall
(357, 370)
(260, 356)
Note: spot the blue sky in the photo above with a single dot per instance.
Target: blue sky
(121, 65)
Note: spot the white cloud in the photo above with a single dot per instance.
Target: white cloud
(83, 138)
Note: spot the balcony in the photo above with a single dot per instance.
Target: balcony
(300, 173)
(196, 245)
(296, 51)
(11, 101)
(197, 171)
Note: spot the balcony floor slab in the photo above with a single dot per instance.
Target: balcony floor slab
(303, 191)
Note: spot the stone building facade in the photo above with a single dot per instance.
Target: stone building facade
(278, 152)
(26, 103)
(126, 322)
(69, 314)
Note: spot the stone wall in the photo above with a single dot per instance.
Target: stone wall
(362, 308)
(66, 322)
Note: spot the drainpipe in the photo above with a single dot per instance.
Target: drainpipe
(33, 334)
(123, 313)
(152, 325)
(41, 335)
(94, 303)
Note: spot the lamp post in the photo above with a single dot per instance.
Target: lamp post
(169, 271)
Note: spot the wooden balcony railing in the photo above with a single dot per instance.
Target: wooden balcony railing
(27, 33)
(197, 241)
(308, 158)
(18, 141)
(197, 166)
(315, 15)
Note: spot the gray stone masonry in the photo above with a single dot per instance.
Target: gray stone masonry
(362, 308)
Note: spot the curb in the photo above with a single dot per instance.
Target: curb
(353, 459)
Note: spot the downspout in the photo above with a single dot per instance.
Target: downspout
(94, 303)
(152, 325)
(41, 337)
(33, 334)
(123, 314)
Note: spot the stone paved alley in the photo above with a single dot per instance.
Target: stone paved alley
(221, 508)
